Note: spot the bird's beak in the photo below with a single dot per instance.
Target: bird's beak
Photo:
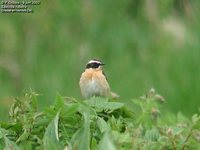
(103, 64)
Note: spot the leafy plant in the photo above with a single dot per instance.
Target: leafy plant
(97, 123)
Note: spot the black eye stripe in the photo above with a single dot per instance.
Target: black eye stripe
(93, 65)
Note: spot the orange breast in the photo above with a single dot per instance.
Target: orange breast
(91, 74)
(93, 82)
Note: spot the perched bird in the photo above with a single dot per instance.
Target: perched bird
(93, 81)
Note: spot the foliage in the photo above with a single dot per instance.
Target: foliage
(98, 123)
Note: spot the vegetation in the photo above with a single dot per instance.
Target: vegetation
(98, 123)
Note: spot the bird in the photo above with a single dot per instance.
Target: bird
(93, 81)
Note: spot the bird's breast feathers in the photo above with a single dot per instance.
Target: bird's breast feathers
(94, 83)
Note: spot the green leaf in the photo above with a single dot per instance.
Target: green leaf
(152, 135)
(69, 110)
(121, 137)
(59, 102)
(2, 132)
(113, 106)
(106, 143)
(101, 104)
(81, 139)
(26, 145)
(133, 106)
(51, 139)
(23, 137)
(10, 145)
(176, 130)
(195, 118)
(103, 126)
(98, 103)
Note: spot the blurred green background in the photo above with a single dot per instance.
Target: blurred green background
(144, 44)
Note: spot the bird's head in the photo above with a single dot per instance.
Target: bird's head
(94, 64)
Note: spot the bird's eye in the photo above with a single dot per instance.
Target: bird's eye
(93, 65)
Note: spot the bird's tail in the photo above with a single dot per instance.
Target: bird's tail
(114, 95)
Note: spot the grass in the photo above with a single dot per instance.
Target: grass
(98, 123)
(144, 44)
